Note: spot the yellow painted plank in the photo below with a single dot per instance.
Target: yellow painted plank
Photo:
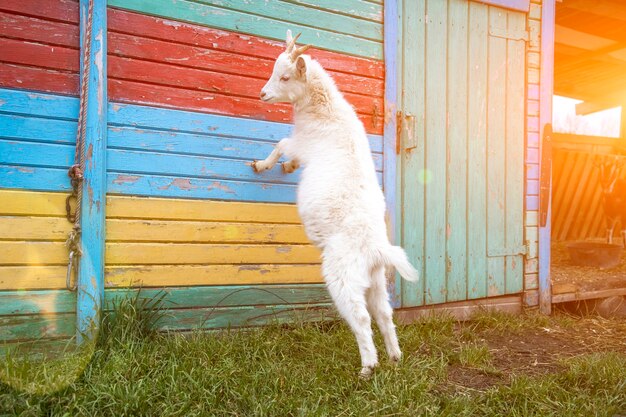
(193, 253)
(53, 277)
(33, 253)
(185, 231)
(32, 203)
(179, 209)
(191, 275)
(34, 228)
(32, 277)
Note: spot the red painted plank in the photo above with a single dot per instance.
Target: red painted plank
(38, 30)
(31, 78)
(62, 10)
(38, 55)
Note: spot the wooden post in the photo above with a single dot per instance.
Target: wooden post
(545, 117)
(91, 266)
(392, 171)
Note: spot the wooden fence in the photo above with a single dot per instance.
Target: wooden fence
(576, 194)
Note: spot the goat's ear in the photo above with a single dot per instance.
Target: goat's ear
(289, 38)
(301, 67)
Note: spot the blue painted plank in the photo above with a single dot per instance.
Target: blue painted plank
(34, 178)
(39, 104)
(35, 154)
(162, 186)
(90, 295)
(37, 129)
(391, 179)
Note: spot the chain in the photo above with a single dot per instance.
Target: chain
(76, 171)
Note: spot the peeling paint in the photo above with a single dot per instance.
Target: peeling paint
(2, 102)
(125, 179)
(219, 186)
(181, 183)
(249, 268)
(25, 170)
(283, 249)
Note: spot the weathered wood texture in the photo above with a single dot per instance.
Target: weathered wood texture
(167, 63)
(577, 212)
(463, 167)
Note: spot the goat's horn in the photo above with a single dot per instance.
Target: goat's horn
(299, 51)
(293, 43)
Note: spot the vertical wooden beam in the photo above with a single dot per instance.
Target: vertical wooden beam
(392, 170)
(91, 266)
(545, 117)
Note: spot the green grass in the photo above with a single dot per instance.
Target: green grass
(302, 370)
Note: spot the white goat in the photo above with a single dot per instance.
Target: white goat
(339, 200)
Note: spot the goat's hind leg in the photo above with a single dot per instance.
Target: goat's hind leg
(379, 307)
(347, 285)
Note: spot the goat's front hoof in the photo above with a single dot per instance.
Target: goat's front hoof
(257, 166)
(288, 167)
(394, 359)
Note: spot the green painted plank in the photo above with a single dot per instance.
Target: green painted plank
(208, 318)
(217, 17)
(306, 16)
(357, 8)
(476, 149)
(457, 151)
(436, 122)
(412, 183)
(37, 327)
(62, 301)
(515, 109)
(38, 349)
(496, 153)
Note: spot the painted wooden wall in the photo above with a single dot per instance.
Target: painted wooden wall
(185, 213)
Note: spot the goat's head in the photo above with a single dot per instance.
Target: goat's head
(287, 83)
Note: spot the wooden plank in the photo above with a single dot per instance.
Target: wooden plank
(456, 150)
(165, 142)
(199, 232)
(21, 203)
(34, 178)
(41, 79)
(34, 228)
(193, 253)
(200, 210)
(514, 147)
(357, 8)
(435, 153)
(37, 129)
(14, 152)
(203, 14)
(392, 176)
(63, 10)
(192, 275)
(243, 317)
(477, 151)
(293, 13)
(39, 30)
(56, 253)
(15, 328)
(38, 104)
(413, 168)
(33, 253)
(53, 277)
(63, 301)
(496, 153)
(32, 277)
(518, 5)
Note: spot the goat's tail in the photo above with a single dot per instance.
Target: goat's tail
(396, 256)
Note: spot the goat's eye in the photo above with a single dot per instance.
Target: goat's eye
(284, 78)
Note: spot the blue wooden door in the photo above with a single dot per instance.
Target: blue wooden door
(461, 130)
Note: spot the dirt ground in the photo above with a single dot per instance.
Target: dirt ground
(535, 351)
(567, 277)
